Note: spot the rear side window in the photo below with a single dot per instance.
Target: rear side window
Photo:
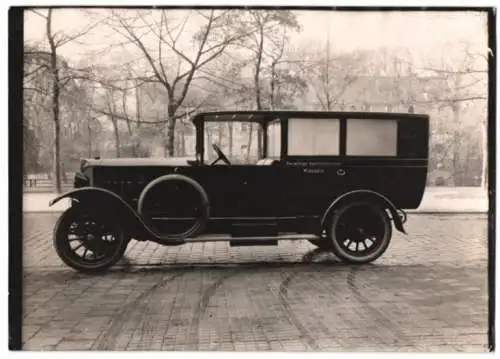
(313, 137)
(367, 137)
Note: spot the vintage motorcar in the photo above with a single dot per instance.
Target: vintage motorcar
(338, 179)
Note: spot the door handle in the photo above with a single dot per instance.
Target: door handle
(341, 172)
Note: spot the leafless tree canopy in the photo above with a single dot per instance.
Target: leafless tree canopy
(169, 64)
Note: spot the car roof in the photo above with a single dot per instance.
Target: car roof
(264, 116)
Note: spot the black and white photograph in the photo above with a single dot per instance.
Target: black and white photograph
(252, 179)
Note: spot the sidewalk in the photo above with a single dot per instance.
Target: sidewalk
(39, 202)
(453, 200)
(436, 200)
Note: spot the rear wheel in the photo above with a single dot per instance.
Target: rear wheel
(88, 241)
(359, 232)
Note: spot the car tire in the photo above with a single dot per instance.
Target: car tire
(204, 208)
(340, 226)
(117, 246)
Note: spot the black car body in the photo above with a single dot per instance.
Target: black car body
(314, 168)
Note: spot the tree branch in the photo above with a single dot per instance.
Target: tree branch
(458, 99)
(141, 46)
(42, 66)
(40, 91)
(38, 13)
(160, 40)
(457, 72)
(73, 37)
(126, 118)
(173, 43)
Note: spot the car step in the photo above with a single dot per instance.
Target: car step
(249, 243)
(255, 240)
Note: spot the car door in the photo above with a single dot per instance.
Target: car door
(313, 185)
(241, 191)
(316, 170)
(255, 191)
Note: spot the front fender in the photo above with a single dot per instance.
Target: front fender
(368, 194)
(106, 200)
(90, 194)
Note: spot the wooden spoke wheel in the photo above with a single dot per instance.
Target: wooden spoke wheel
(87, 241)
(360, 232)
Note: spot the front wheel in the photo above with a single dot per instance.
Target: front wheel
(88, 241)
(359, 232)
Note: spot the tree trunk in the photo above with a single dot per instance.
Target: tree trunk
(273, 85)
(55, 104)
(250, 134)
(220, 133)
(484, 155)
(456, 144)
(182, 145)
(327, 75)
(129, 126)
(112, 109)
(117, 135)
(257, 70)
(170, 137)
(90, 139)
(258, 101)
(230, 138)
(57, 151)
(137, 116)
(209, 143)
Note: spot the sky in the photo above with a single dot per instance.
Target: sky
(423, 34)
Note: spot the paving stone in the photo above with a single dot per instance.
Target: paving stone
(427, 293)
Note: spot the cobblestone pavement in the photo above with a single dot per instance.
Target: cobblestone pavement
(427, 293)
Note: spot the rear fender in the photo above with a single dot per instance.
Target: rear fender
(368, 195)
(109, 202)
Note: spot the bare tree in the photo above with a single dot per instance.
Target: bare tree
(461, 82)
(265, 26)
(56, 41)
(211, 40)
(333, 75)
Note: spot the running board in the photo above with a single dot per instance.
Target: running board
(256, 240)
(250, 243)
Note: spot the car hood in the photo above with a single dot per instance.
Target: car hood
(170, 161)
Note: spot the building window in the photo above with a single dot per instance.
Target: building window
(367, 137)
(313, 137)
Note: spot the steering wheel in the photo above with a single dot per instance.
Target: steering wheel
(221, 155)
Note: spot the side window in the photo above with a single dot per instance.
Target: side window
(371, 137)
(313, 137)
(274, 139)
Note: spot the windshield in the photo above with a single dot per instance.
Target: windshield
(239, 140)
